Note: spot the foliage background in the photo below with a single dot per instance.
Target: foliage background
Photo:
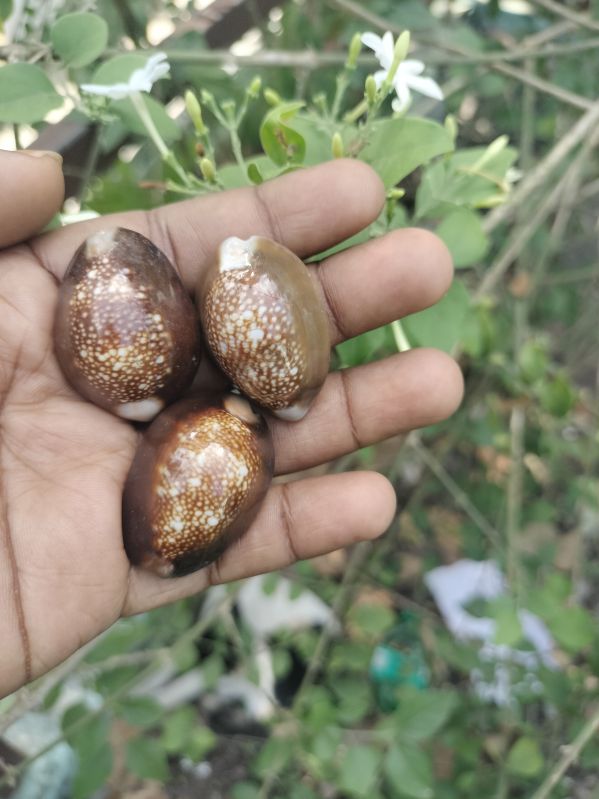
(512, 477)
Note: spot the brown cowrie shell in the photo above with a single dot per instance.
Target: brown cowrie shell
(126, 334)
(196, 483)
(265, 325)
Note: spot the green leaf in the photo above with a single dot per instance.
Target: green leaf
(372, 620)
(5, 9)
(573, 627)
(420, 714)
(26, 94)
(444, 324)
(245, 790)
(201, 741)
(118, 70)
(525, 758)
(147, 758)
(85, 730)
(140, 711)
(269, 583)
(509, 629)
(397, 147)
(463, 233)
(274, 755)
(280, 141)
(532, 360)
(359, 770)
(354, 696)
(79, 38)
(455, 182)
(92, 773)
(366, 347)
(409, 772)
(254, 174)
(178, 727)
(557, 396)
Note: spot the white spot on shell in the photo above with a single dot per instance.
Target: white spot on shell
(140, 411)
(255, 335)
(99, 243)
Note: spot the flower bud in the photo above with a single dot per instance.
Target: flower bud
(370, 90)
(194, 110)
(355, 49)
(253, 89)
(208, 170)
(272, 97)
(337, 145)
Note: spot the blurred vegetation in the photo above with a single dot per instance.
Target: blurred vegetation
(512, 477)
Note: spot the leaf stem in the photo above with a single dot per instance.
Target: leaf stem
(167, 155)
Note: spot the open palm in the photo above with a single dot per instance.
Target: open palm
(64, 575)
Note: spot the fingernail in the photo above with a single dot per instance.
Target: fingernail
(43, 154)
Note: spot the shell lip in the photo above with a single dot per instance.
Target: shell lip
(236, 253)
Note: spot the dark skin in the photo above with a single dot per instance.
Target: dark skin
(64, 575)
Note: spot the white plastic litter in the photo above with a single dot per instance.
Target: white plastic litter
(453, 588)
(265, 614)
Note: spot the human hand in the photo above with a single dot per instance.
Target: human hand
(64, 575)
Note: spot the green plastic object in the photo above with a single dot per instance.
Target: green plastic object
(399, 660)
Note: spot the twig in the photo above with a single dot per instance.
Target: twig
(310, 59)
(32, 696)
(562, 10)
(188, 636)
(518, 240)
(303, 59)
(461, 497)
(570, 754)
(515, 483)
(535, 179)
(355, 563)
(565, 96)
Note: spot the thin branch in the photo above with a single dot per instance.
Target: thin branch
(461, 497)
(562, 10)
(570, 754)
(535, 179)
(311, 60)
(565, 96)
(343, 596)
(518, 240)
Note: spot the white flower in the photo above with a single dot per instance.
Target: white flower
(408, 75)
(141, 80)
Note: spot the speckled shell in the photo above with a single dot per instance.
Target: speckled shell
(265, 325)
(126, 333)
(196, 483)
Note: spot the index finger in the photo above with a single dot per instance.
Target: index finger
(308, 211)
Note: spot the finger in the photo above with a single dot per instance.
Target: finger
(308, 211)
(297, 520)
(32, 192)
(382, 280)
(358, 407)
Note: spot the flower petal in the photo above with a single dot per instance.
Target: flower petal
(372, 41)
(426, 86)
(412, 66)
(116, 91)
(387, 50)
(403, 97)
(379, 77)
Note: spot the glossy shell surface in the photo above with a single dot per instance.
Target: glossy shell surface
(265, 325)
(196, 483)
(126, 333)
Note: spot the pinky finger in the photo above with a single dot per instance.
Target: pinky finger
(298, 520)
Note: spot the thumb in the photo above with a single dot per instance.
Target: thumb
(31, 192)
